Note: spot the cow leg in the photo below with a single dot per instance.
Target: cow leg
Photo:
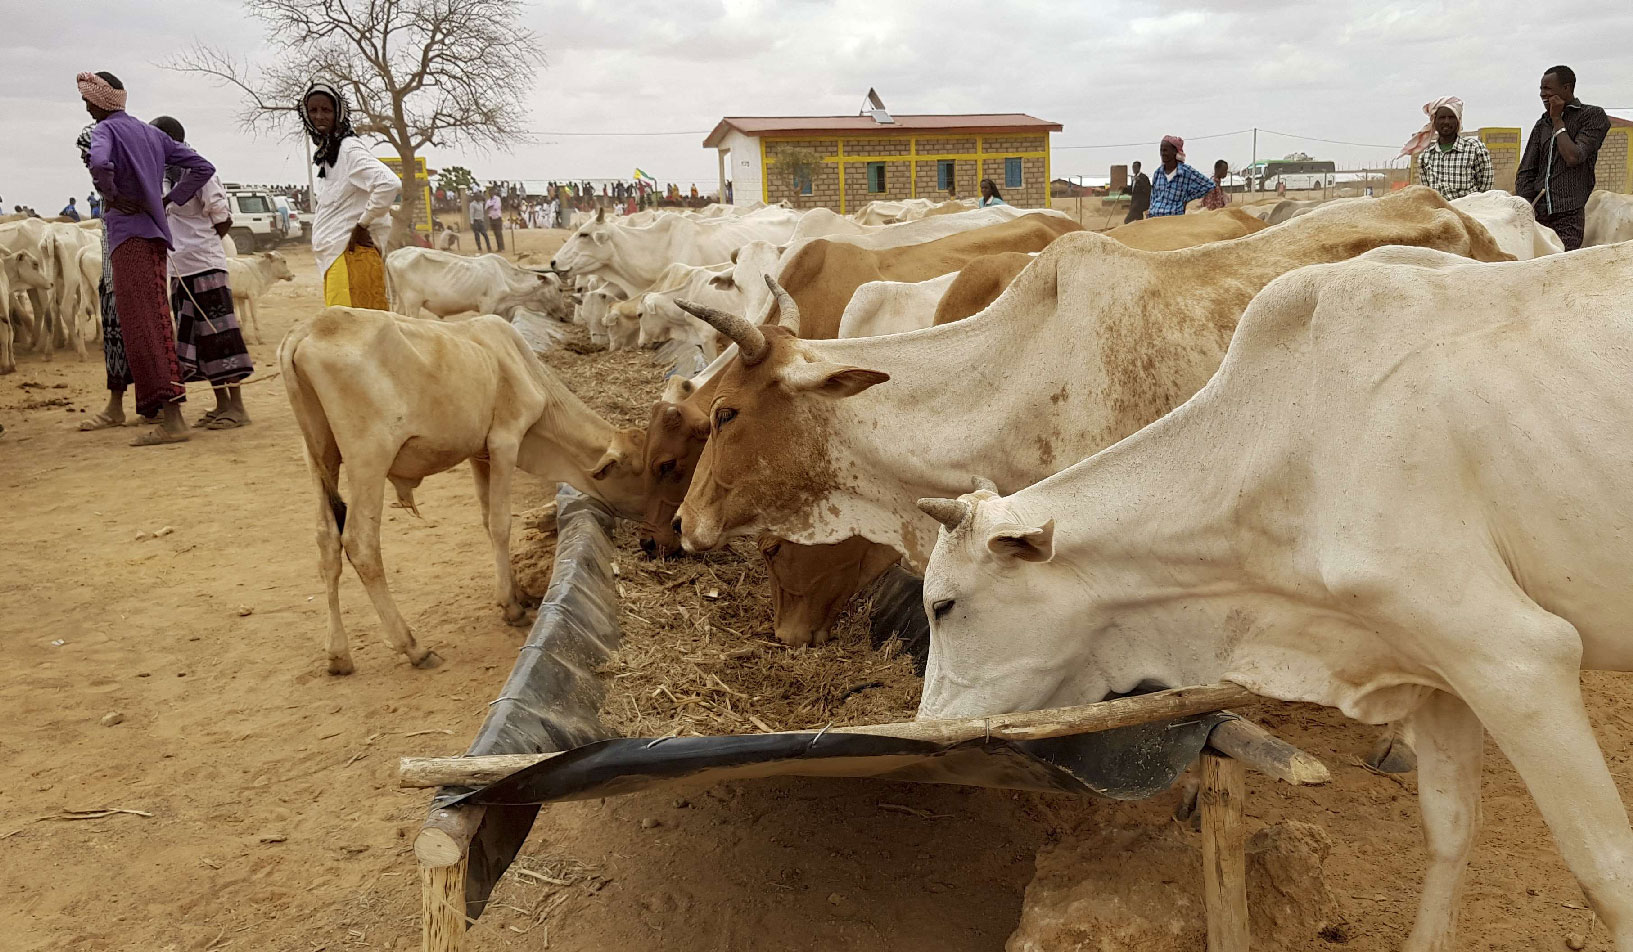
(339, 653)
(493, 491)
(1451, 742)
(1530, 699)
(1393, 752)
(361, 538)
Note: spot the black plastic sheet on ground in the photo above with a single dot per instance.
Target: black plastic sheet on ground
(552, 699)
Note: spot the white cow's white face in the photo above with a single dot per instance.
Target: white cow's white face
(1009, 627)
(587, 249)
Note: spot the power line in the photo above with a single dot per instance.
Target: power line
(1135, 145)
(702, 133)
(1290, 135)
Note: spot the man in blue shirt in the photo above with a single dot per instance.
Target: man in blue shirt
(70, 210)
(1176, 183)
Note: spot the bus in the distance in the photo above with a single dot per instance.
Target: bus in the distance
(1294, 173)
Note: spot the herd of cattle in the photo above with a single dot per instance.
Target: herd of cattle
(1361, 453)
(1370, 454)
(49, 275)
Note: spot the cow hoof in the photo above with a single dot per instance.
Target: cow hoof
(431, 660)
(1393, 755)
(340, 666)
(516, 616)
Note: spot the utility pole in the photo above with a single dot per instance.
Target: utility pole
(1255, 166)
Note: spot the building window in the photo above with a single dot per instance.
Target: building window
(1012, 173)
(805, 185)
(945, 176)
(876, 177)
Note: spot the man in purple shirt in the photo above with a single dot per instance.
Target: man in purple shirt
(128, 158)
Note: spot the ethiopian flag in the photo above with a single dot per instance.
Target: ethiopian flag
(639, 175)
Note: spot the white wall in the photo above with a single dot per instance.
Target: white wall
(743, 168)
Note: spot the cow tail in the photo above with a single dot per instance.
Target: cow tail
(322, 451)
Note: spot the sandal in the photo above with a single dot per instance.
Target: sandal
(159, 436)
(224, 422)
(99, 422)
(208, 416)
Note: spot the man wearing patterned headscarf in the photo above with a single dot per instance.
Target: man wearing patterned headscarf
(350, 203)
(1451, 164)
(128, 160)
(1175, 183)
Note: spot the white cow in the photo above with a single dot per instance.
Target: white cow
(399, 399)
(8, 355)
(893, 307)
(662, 320)
(592, 311)
(632, 258)
(249, 277)
(33, 236)
(446, 284)
(622, 325)
(1400, 509)
(1609, 219)
(1512, 223)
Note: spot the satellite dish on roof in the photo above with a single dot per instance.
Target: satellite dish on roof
(875, 107)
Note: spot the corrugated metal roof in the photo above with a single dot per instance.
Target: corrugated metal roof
(985, 122)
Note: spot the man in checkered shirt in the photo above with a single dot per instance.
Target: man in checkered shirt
(1453, 165)
(1176, 183)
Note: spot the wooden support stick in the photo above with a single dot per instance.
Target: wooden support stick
(442, 906)
(1268, 754)
(1027, 725)
(1224, 853)
(443, 849)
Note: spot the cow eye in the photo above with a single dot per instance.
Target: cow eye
(666, 467)
(723, 416)
(772, 550)
(941, 608)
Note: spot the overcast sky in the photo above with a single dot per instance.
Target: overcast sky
(1110, 71)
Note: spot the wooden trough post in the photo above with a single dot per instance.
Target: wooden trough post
(1224, 852)
(443, 849)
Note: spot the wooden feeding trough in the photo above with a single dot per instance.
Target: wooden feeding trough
(542, 742)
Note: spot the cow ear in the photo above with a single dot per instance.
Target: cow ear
(601, 237)
(1027, 543)
(830, 380)
(603, 467)
(724, 282)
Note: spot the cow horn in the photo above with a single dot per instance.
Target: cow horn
(981, 482)
(751, 343)
(787, 310)
(951, 513)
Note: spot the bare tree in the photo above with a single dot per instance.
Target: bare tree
(417, 72)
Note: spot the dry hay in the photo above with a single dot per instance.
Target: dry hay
(697, 654)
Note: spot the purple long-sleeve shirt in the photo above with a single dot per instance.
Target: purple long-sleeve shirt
(128, 157)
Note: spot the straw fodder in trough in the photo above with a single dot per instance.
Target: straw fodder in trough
(698, 655)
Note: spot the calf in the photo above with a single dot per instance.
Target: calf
(400, 399)
(249, 277)
(447, 284)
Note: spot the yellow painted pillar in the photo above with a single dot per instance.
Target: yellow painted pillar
(765, 177)
(1048, 180)
(839, 144)
(913, 168)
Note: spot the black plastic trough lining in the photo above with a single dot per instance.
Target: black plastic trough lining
(552, 700)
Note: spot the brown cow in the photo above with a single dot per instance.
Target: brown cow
(821, 276)
(1173, 232)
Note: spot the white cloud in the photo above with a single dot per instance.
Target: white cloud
(1112, 72)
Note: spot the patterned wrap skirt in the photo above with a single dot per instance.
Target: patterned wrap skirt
(209, 343)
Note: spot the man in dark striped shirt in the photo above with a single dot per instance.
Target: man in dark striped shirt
(1556, 170)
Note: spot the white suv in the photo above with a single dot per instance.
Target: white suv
(255, 223)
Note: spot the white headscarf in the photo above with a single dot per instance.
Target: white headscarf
(1426, 135)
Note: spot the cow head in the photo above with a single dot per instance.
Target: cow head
(587, 249)
(674, 441)
(811, 584)
(769, 421)
(277, 267)
(25, 270)
(623, 325)
(617, 477)
(992, 566)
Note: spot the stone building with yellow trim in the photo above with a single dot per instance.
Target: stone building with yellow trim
(844, 162)
(1613, 170)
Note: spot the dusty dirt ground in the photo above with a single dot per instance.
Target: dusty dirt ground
(273, 818)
